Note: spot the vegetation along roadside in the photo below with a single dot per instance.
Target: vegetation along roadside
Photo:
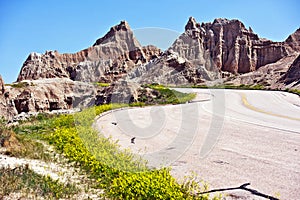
(119, 173)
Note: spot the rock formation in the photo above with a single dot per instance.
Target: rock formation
(223, 51)
(1, 86)
(230, 46)
(119, 92)
(107, 60)
(54, 81)
(268, 76)
(45, 95)
(292, 76)
(202, 52)
(294, 40)
(49, 65)
(205, 52)
(7, 110)
(169, 69)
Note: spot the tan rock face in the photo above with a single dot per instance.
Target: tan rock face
(45, 95)
(294, 40)
(169, 69)
(49, 65)
(229, 45)
(1, 86)
(119, 92)
(208, 51)
(269, 76)
(292, 76)
(107, 60)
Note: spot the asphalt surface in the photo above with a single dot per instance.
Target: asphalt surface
(226, 137)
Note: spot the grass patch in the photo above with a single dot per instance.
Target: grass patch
(28, 148)
(25, 181)
(244, 87)
(21, 146)
(102, 84)
(294, 91)
(165, 95)
(229, 86)
(20, 84)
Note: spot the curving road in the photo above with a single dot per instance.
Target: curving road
(227, 137)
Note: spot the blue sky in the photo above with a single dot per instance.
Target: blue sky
(69, 26)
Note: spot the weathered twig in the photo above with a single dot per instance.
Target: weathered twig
(242, 187)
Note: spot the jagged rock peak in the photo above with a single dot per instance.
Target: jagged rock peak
(224, 21)
(191, 24)
(235, 25)
(231, 46)
(294, 37)
(294, 40)
(123, 26)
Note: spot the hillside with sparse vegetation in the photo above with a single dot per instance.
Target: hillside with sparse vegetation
(69, 141)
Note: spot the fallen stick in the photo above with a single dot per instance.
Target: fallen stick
(242, 187)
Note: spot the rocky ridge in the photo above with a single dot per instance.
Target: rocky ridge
(230, 45)
(106, 61)
(223, 50)
(53, 81)
(292, 76)
(270, 76)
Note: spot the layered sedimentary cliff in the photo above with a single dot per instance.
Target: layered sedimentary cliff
(231, 46)
(207, 51)
(43, 96)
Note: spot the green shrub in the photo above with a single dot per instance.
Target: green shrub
(120, 173)
(157, 184)
(295, 91)
(100, 84)
(18, 84)
(230, 86)
(166, 95)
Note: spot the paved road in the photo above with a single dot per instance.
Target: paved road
(227, 137)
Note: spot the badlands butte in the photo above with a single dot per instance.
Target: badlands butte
(222, 52)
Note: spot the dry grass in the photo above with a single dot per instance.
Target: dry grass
(25, 183)
(21, 147)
